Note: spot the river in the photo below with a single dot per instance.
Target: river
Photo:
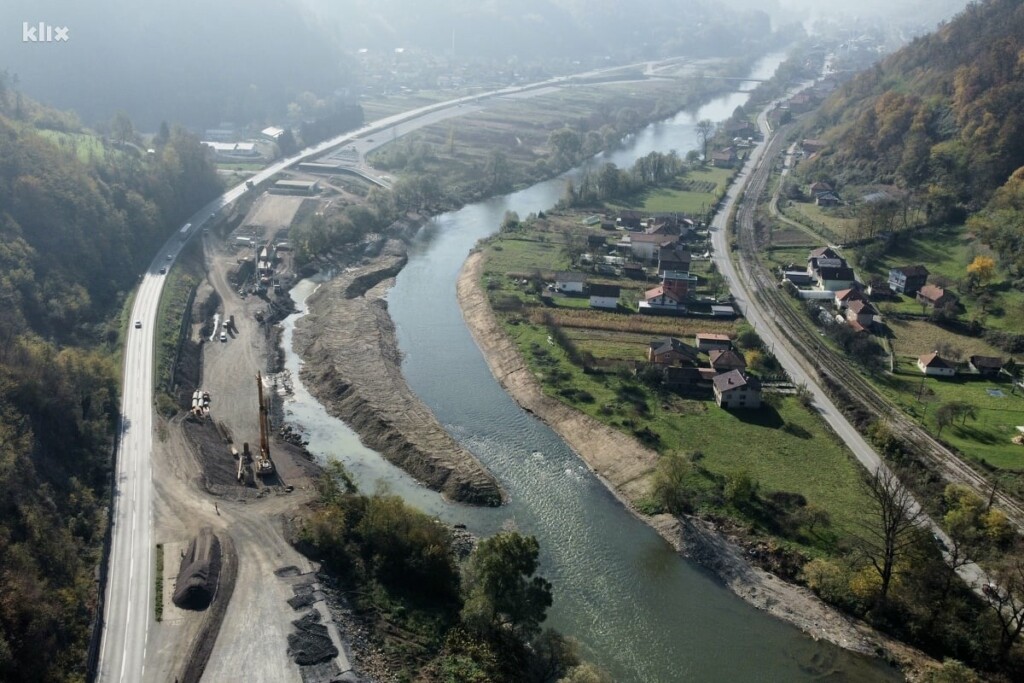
(637, 608)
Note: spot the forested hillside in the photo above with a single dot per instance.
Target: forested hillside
(941, 119)
(78, 222)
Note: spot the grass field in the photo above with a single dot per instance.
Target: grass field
(694, 194)
(815, 216)
(988, 437)
(784, 448)
(917, 337)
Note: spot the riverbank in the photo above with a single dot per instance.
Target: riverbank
(352, 365)
(623, 465)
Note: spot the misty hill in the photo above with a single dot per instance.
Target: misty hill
(528, 29)
(190, 61)
(941, 118)
(200, 63)
(79, 219)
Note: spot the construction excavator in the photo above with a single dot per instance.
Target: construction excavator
(263, 464)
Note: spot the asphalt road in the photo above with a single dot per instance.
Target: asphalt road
(792, 361)
(127, 611)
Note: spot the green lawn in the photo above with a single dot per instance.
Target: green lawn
(694, 194)
(526, 254)
(784, 449)
(988, 437)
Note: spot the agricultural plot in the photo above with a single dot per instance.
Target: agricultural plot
(913, 338)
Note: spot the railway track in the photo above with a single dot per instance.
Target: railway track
(825, 363)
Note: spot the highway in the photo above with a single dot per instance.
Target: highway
(127, 603)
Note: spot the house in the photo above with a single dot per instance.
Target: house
(733, 389)
(741, 128)
(908, 279)
(676, 377)
(879, 289)
(272, 133)
(595, 242)
(987, 366)
(604, 296)
(630, 220)
(670, 258)
(822, 253)
(818, 187)
(934, 365)
(811, 145)
(836, 278)
(669, 296)
(726, 360)
(828, 199)
(861, 312)
(645, 247)
(724, 158)
(707, 341)
(634, 271)
(569, 282)
(844, 297)
(671, 351)
(935, 296)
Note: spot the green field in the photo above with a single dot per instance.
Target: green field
(526, 254)
(784, 448)
(826, 220)
(986, 438)
(694, 194)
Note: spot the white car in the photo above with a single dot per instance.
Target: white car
(138, 324)
(223, 336)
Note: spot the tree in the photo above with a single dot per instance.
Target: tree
(670, 487)
(705, 131)
(982, 268)
(121, 129)
(497, 170)
(501, 591)
(1006, 600)
(944, 416)
(889, 533)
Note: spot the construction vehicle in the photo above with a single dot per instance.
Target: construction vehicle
(264, 465)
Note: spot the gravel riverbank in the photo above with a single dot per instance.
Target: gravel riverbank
(351, 364)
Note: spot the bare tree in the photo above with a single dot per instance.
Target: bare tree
(889, 533)
(1006, 599)
(705, 131)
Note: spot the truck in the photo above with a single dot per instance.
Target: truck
(185, 231)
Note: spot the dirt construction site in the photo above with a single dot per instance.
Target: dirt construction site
(228, 480)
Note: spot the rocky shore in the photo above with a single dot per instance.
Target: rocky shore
(622, 464)
(352, 365)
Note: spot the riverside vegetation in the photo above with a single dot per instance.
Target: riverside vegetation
(438, 616)
(80, 219)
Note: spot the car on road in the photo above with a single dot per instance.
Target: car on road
(138, 324)
(170, 256)
(163, 270)
(223, 336)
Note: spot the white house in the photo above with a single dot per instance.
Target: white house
(604, 296)
(735, 390)
(934, 365)
(569, 282)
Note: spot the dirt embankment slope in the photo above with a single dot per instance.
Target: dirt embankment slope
(623, 464)
(352, 365)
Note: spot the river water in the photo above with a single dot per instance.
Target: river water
(638, 609)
